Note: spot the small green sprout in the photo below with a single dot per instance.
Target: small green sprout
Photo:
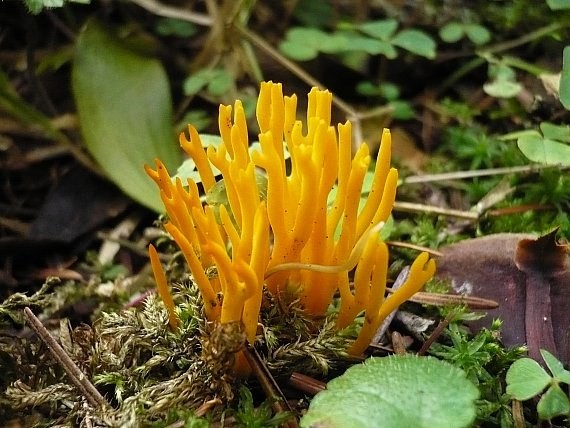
(248, 415)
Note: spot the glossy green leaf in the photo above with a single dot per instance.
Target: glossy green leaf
(383, 29)
(526, 378)
(452, 32)
(544, 150)
(553, 403)
(564, 88)
(415, 41)
(395, 392)
(125, 112)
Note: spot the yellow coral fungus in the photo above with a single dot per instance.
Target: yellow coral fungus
(307, 234)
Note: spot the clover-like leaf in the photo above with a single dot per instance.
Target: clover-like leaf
(396, 391)
(382, 29)
(303, 44)
(415, 41)
(555, 132)
(503, 82)
(502, 88)
(526, 378)
(452, 32)
(544, 150)
(125, 111)
(477, 34)
(553, 403)
(555, 366)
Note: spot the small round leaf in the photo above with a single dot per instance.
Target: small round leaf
(502, 88)
(477, 34)
(396, 391)
(452, 32)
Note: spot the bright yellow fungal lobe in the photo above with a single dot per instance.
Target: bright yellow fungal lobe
(162, 286)
(293, 237)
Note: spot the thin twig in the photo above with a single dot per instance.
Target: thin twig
(414, 247)
(268, 384)
(460, 175)
(173, 12)
(473, 303)
(435, 334)
(75, 374)
(430, 209)
(306, 384)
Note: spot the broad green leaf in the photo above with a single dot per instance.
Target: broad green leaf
(452, 32)
(125, 111)
(564, 88)
(525, 379)
(555, 132)
(553, 403)
(396, 391)
(558, 4)
(383, 29)
(415, 41)
(555, 366)
(477, 34)
(544, 151)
